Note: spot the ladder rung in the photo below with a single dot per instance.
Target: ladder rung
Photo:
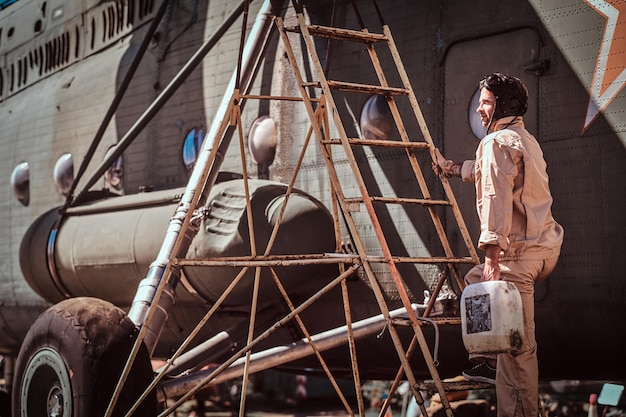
(381, 142)
(437, 320)
(340, 33)
(399, 200)
(429, 386)
(422, 260)
(420, 201)
(446, 320)
(360, 88)
(433, 260)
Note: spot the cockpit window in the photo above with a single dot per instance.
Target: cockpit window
(376, 119)
(20, 182)
(474, 118)
(64, 173)
(262, 140)
(191, 148)
(114, 175)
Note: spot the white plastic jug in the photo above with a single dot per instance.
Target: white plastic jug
(491, 317)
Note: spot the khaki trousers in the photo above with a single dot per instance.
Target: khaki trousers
(517, 373)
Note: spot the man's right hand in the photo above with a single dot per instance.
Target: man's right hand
(443, 166)
(491, 272)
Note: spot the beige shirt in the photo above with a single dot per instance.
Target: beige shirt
(513, 198)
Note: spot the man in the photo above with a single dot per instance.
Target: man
(521, 239)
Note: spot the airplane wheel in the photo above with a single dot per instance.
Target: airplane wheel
(71, 359)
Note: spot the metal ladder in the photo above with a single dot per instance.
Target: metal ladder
(320, 126)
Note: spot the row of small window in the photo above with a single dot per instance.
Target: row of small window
(63, 175)
(261, 139)
(376, 122)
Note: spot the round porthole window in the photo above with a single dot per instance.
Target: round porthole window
(473, 117)
(20, 182)
(64, 173)
(376, 119)
(262, 140)
(191, 148)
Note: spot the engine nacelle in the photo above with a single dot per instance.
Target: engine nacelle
(105, 248)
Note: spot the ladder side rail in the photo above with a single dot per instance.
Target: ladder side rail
(410, 152)
(378, 231)
(426, 133)
(236, 120)
(209, 158)
(345, 297)
(149, 298)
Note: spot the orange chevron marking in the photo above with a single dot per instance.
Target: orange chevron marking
(610, 73)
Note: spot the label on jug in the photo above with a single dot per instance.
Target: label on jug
(478, 314)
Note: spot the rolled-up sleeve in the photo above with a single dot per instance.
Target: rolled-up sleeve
(467, 171)
(494, 189)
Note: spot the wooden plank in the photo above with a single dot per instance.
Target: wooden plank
(340, 33)
(360, 88)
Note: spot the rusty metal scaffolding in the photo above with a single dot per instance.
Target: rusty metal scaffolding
(317, 97)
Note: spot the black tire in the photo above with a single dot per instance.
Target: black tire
(70, 361)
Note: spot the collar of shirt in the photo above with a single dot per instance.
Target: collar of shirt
(509, 121)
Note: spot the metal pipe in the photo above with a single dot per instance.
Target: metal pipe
(217, 344)
(280, 355)
(204, 172)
